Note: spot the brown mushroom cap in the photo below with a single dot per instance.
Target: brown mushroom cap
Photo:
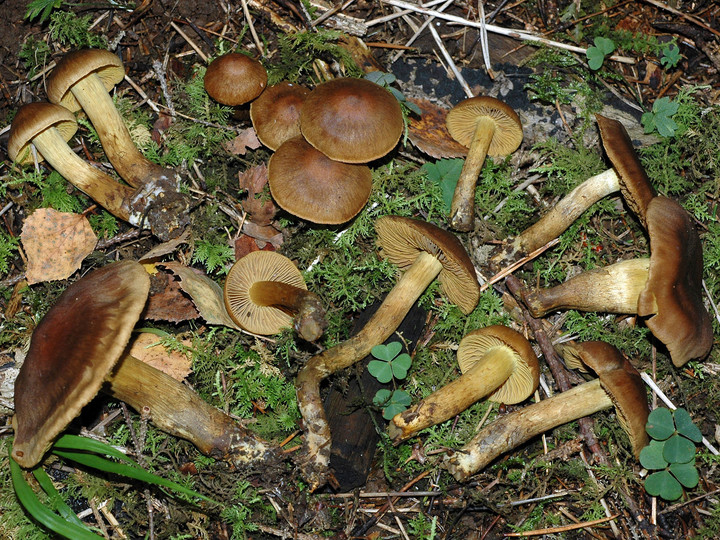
(275, 114)
(463, 117)
(77, 65)
(252, 268)
(351, 120)
(32, 119)
(621, 381)
(402, 238)
(71, 353)
(673, 295)
(234, 78)
(308, 184)
(525, 375)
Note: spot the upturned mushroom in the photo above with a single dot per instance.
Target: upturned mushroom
(618, 385)
(488, 127)
(667, 287)
(265, 292)
(351, 120)
(627, 176)
(275, 114)
(495, 361)
(235, 79)
(78, 349)
(308, 184)
(423, 252)
(48, 127)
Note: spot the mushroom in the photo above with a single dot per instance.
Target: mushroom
(78, 349)
(667, 287)
(626, 176)
(488, 127)
(496, 361)
(82, 79)
(351, 120)
(275, 114)
(263, 291)
(310, 185)
(48, 127)
(618, 385)
(234, 79)
(423, 252)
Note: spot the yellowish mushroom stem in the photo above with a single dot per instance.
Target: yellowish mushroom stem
(493, 369)
(100, 187)
(307, 308)
(127, 160)
(611, 289)
(462, 208)
(379, 328)
(179, 411)
(513, 429)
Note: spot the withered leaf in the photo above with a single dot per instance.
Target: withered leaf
(260, 209)
(167, 301)
(55, 244)
(165, 248)
(430, 135)
(246, 140)
(148, 348)
(245, 244)
(263, 233)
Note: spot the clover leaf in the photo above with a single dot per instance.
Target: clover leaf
(596, 54)
(670, 56)
(392, 402)
(445, 173)
(660, 118)
(389, 364)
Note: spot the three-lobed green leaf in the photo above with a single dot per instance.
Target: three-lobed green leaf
(596, 54)
(445, 173)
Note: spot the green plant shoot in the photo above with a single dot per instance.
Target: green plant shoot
(670, 56)
(660, 118)
(445, 173)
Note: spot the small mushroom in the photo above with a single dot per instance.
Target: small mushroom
(496, 361)
(265, 292)
(308, 184)
(351, 120)
(618, 385)
(78, 349)
(488, 127)
(423, 252)
(626, 176)
(667, 287)
(235, 79)
(275, 114)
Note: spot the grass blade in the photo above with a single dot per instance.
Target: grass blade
(57, 501)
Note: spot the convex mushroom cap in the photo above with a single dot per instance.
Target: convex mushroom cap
(487, 126)
(275, 114)
(351, 120)
(234, 79)
(265, 292)
(618, 385)
(495, 361)
(310, 185)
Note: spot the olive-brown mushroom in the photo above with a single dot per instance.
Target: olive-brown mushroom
(351, 120)
(308, 184)
(488, 127)
(235, 79)
(667, 287)
(618, 385)
(78, 349)
(495, 361)
(423, 252)
(265, 292)
(275, 114)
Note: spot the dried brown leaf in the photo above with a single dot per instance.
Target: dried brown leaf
(55, 244)
(246, 140)
(430, 135)
(148, 348)
(260, 208)
(167, 301)
(165, 248)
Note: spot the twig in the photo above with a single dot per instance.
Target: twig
(517, 34)
(249, 20)
(451, 63)
(573, 527)
(397, 14)
(189, 41)
(707, 293)
(683, 15)
(419, 30)
(329, 13)
(510, 269)
(655, 388)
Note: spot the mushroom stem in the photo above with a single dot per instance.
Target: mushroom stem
(479, 381)
(379, 328)
(462, 208)
(515, 428)
(305, 305)
(127, 160)
(565, 212)
(611, 289)
(179, 411)
(100, 187)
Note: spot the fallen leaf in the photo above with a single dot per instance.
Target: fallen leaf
(55, 244)
(163, 122)
(430, 135)
(245, 244)
(165, 248)
(204, 292)
(260, 207)
(264, 233)
(148, 348)
(167, 301)
(246, 140)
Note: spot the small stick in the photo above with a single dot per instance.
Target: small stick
(249, 20)
(189, 41)
(510, 269)
(142, 94)
(397, 14)
(419, 30)
(329, 13)
(451, 63)
(554, 530)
